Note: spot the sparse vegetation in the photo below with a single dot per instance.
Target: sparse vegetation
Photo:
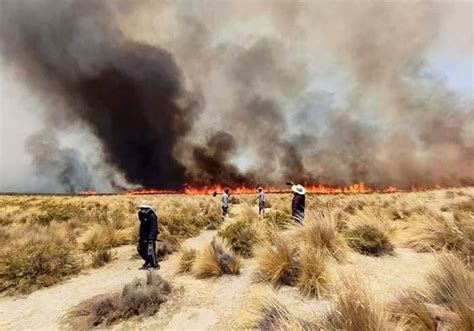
(35, 266)
(139, 298)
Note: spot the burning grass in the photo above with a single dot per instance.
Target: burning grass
(139, 298)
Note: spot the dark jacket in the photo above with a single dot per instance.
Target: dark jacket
(148, 225)
(297, 205)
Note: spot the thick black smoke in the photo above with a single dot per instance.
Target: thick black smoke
(131, 95)
(256, 92)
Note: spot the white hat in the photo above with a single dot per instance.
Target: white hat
(145, 205)
(298, 189)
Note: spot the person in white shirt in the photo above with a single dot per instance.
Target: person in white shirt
(225, 202)
(261, 201)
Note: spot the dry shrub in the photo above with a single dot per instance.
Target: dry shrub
(264, 311)
(187, 256)
(242, 236)
(320, 233)
(139, 298)
(464, 206)
(276, 261)
(354, 309)
(167, 244)
(101, 257)
(104, 236)
(26, 268)
(313, 277)
(436, 232)
(215, 260)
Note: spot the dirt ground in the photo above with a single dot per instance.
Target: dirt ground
(200, 304)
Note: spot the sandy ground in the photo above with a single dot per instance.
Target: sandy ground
(208, 304)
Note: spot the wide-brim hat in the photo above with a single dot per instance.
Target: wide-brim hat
(298, 189)
(145, 205)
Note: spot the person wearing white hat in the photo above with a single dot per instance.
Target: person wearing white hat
(147, 236)
(298, 203)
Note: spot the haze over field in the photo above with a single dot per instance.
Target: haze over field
(112, 95)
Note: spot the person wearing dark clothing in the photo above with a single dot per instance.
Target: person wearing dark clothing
(147, 236)
(298, 203)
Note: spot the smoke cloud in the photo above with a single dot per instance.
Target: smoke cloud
(244, 93)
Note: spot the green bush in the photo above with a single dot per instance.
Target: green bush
(36, 266)
(369, 240)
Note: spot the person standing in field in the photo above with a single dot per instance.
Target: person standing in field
(225, 202)
(147, 236)
(261, 201)
(298, 203)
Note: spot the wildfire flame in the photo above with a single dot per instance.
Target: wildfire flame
(310, 188)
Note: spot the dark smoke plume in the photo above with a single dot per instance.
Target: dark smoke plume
(255, 92)
(130, 94)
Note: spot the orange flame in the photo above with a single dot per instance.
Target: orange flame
(310, 188)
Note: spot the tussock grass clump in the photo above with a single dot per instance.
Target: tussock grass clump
(446, 304)
(264, 311)
(369, 232)
(452, 285)
(278, 219)
(101, 257)
(139, 298)
(369, 240)
(313, 277)
(242, 236)
(354, 309)
(437, 232)
(215, 260)
(320, 232)
(37, 265)
(276, 261)
(104, 236)
(187, 256)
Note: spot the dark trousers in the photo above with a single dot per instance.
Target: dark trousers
(261, 207)
(147, 251)
(224, 211)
